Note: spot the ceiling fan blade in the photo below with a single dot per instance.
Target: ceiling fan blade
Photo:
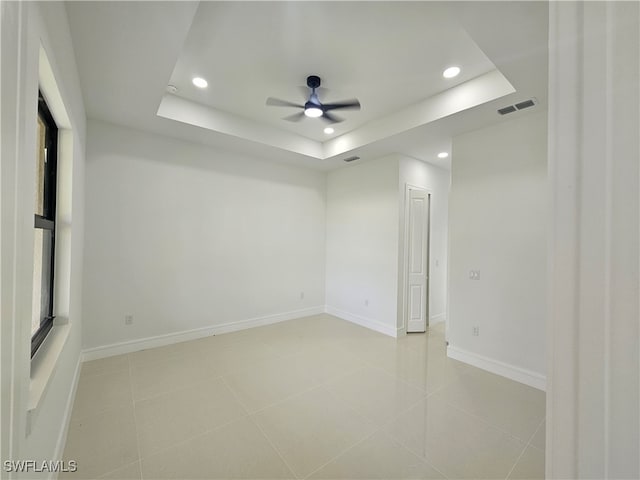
(276, 102)
(345, 104)
(296, 117)
(330, 118)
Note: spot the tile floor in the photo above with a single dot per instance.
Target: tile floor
(316, 397)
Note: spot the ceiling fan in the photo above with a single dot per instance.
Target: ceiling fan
(313, 107)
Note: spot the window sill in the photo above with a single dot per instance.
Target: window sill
(43, 367)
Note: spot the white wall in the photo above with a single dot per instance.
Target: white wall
(593, 395)
(498, 225)
(25, 27)
(186, 237)
(436, 181)
(362, 243)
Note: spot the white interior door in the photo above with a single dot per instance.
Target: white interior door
(417, 310)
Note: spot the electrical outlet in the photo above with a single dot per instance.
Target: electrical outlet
(476, 331)
(474, 274)
(301, 295)
(366, 303)
(128, 319)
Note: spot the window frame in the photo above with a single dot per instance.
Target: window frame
(47, 221)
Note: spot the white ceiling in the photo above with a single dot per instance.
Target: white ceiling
(390, 55)
(275, 47)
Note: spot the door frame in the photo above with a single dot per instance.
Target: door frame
(403, 271)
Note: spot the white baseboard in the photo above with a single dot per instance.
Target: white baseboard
(439, 318)
(177, 337)
(66, 416)
(362, 321)
(512, 372)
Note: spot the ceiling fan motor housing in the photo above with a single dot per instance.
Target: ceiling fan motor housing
(313, 107)
(313, 81)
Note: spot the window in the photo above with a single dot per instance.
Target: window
(45, 226)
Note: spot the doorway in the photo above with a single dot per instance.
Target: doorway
(417, 216)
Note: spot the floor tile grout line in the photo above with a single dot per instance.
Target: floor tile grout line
(278, 402)
(515, 464)
(405, 410)
(542, 422)
(383, 429)
(327, 384)
(422, 349)
(167, 356)
(487, 422)
(379, 428)
(349, 448)
(386, 422)
(118, 468)
(155, 395)
(175, 390)
(170, 355)
(135, 418)
(349, 407)
(396, 377)
(193, 437)
(235, 395)
(529, 444)
(378, 367)
(276, 449)
(252, 366)
(250, 414)
(341, 376)
(427, 393)
(290, 397)
(424, 459)
(413, 350)
(100, 374)
(207, 377)
(537, 448)
(246, 414)
(510, 436)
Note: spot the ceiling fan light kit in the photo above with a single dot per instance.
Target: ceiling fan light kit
(311, 110)
(313, 107)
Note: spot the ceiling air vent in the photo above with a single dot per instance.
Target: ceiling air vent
(517, 106)
(351, 159)
(505, 110)
(525, 104)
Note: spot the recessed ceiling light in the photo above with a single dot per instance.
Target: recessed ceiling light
(443, 155)
(329, 130)
(200, 82)
(451, 72)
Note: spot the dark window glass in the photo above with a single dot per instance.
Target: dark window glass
(45, 226)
